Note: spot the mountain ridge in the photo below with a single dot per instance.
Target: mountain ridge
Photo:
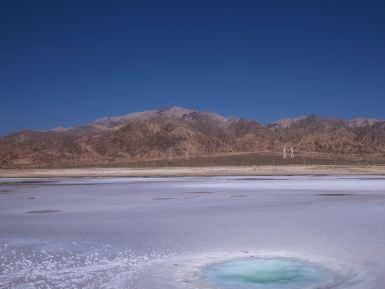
(175, 111)
(156, 134)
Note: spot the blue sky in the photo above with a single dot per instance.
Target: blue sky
(65, 63)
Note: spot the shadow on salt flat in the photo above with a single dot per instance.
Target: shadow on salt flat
(335, 195)
(43, 211)
(200, 192)
(164, 199)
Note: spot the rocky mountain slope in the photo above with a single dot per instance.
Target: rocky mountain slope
(174, 131)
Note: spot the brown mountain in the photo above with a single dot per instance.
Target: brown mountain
(158, 134)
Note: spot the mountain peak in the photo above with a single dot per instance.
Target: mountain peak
(175, 111)
(287, 122)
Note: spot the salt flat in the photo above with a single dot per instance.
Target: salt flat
(155, 233)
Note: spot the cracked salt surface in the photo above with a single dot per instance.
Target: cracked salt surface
(115, 233)
(40, 268)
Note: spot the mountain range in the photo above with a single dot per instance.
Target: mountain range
(177, 132)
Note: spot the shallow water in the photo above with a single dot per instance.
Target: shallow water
(267, 273)
(154, 233)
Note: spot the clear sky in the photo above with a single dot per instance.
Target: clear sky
(69, 62)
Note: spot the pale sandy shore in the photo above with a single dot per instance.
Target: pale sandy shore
(197, 171)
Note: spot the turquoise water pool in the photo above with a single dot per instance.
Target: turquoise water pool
(269, 273)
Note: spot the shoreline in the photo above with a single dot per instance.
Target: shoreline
(317, 170)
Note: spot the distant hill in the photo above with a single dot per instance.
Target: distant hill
(175, 131)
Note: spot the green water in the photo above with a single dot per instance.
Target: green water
(273, 273)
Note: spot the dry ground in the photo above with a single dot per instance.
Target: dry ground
(200, 171)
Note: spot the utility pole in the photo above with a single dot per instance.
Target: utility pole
(170, 157)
